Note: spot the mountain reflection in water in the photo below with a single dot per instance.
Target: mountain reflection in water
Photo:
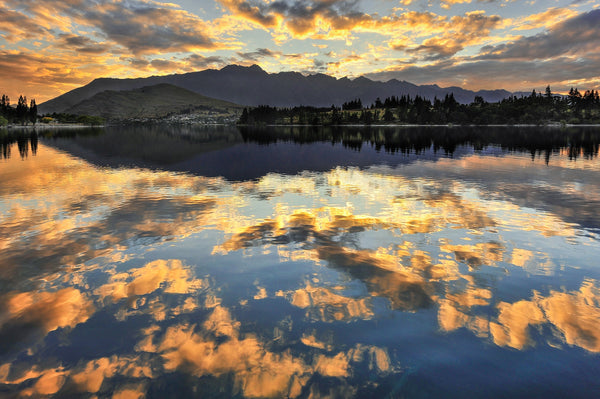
(430, 263)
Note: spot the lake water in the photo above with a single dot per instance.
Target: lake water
(406, 263)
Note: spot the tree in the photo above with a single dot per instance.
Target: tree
(574, 97)
(352, 105)
(5, 109)
(336, 119)
(478, 100)
(548, 94)
(22, 109)
(366, 117)
(90, 120)
(32, 111)
(244, 118)
(388, 116)
(533, 94)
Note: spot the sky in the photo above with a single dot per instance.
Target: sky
(49, 47)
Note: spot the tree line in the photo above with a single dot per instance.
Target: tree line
(536, 108)
(20, 114)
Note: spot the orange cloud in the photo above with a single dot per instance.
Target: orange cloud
(574, 317)
(258, 372)
(170, 275)
(19, 26)
(35, 314)
(544, 19)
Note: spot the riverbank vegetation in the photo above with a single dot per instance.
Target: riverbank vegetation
(536, 109)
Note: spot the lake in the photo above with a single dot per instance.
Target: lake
(217, 262)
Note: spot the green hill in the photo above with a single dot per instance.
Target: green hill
(154, 102)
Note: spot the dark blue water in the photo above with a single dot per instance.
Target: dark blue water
(420, 263)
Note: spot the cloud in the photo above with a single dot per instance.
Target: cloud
(259, 53)
(577, 36)
(30, 315)
(171, 274)
(459, 32)
(165, 65)
(220, 349)
(300, 19)
(142, 27)
(148, 27)
(255, 12)
(197, 61)
(18, 26)
(564, 55)
(543, 19)
(82, 44)
(447, 4)
(41, 75)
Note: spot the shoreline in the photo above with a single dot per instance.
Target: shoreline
(47, 126)
(386, 125)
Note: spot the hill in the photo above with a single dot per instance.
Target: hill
(253, 86)
(152, 102)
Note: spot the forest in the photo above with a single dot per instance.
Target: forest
(21, 114)
(535, 109)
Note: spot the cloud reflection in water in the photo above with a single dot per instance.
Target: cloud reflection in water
(173, 263)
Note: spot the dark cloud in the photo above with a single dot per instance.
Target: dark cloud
(163, 64)
(141, 27)
(191, 63)
(299, 16)
(258, 54)
(320, 65)
(139, 63)
(82, 44)
(433, 51)
(579, 35)
(198, 61)
(259, 13)
(147, 28)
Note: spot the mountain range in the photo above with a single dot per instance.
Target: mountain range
(252, 86)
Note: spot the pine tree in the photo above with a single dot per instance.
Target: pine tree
(244, 118)
(22, 109)
(548, 93)
(32, 111)
(5, 107)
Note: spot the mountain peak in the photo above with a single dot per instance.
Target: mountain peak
(362, 79)
(240, 68)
